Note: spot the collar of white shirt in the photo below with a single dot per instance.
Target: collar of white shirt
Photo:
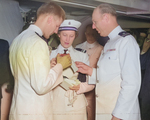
(89, 46)
(115, 32)
(36, 29)
(60, 49)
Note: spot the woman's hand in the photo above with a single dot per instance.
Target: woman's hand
(75, 87)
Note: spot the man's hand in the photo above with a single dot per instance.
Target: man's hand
(83, 68)
(114, 118)
(64, 60)
(53, 62)
(75, 87)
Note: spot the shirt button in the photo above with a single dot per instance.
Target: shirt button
(96, 95)
(97, 66)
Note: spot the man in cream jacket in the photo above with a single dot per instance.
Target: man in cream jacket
(30, 65)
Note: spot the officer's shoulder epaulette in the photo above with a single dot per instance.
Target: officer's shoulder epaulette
(42, 37)
(124, 34)
(81, 50)
(39, 36)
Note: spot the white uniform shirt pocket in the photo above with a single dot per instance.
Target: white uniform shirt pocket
(108, 65)
(111, 55)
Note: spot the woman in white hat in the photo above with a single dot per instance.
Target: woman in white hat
(70, 104)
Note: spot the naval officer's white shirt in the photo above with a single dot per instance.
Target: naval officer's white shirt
(120, 58)
(75, 56)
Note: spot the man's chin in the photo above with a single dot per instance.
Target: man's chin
(103, 35)
(66, 46)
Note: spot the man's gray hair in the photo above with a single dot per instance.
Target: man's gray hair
(106, 8)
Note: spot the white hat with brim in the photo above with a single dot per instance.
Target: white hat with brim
(70, 25)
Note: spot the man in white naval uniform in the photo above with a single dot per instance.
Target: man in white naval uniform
(30, 66)
(93, 49)
(63, 107)
(118, 69)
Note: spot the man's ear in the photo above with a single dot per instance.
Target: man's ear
(106, 17)
(49, 19)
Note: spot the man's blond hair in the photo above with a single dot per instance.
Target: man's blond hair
(51, 8)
